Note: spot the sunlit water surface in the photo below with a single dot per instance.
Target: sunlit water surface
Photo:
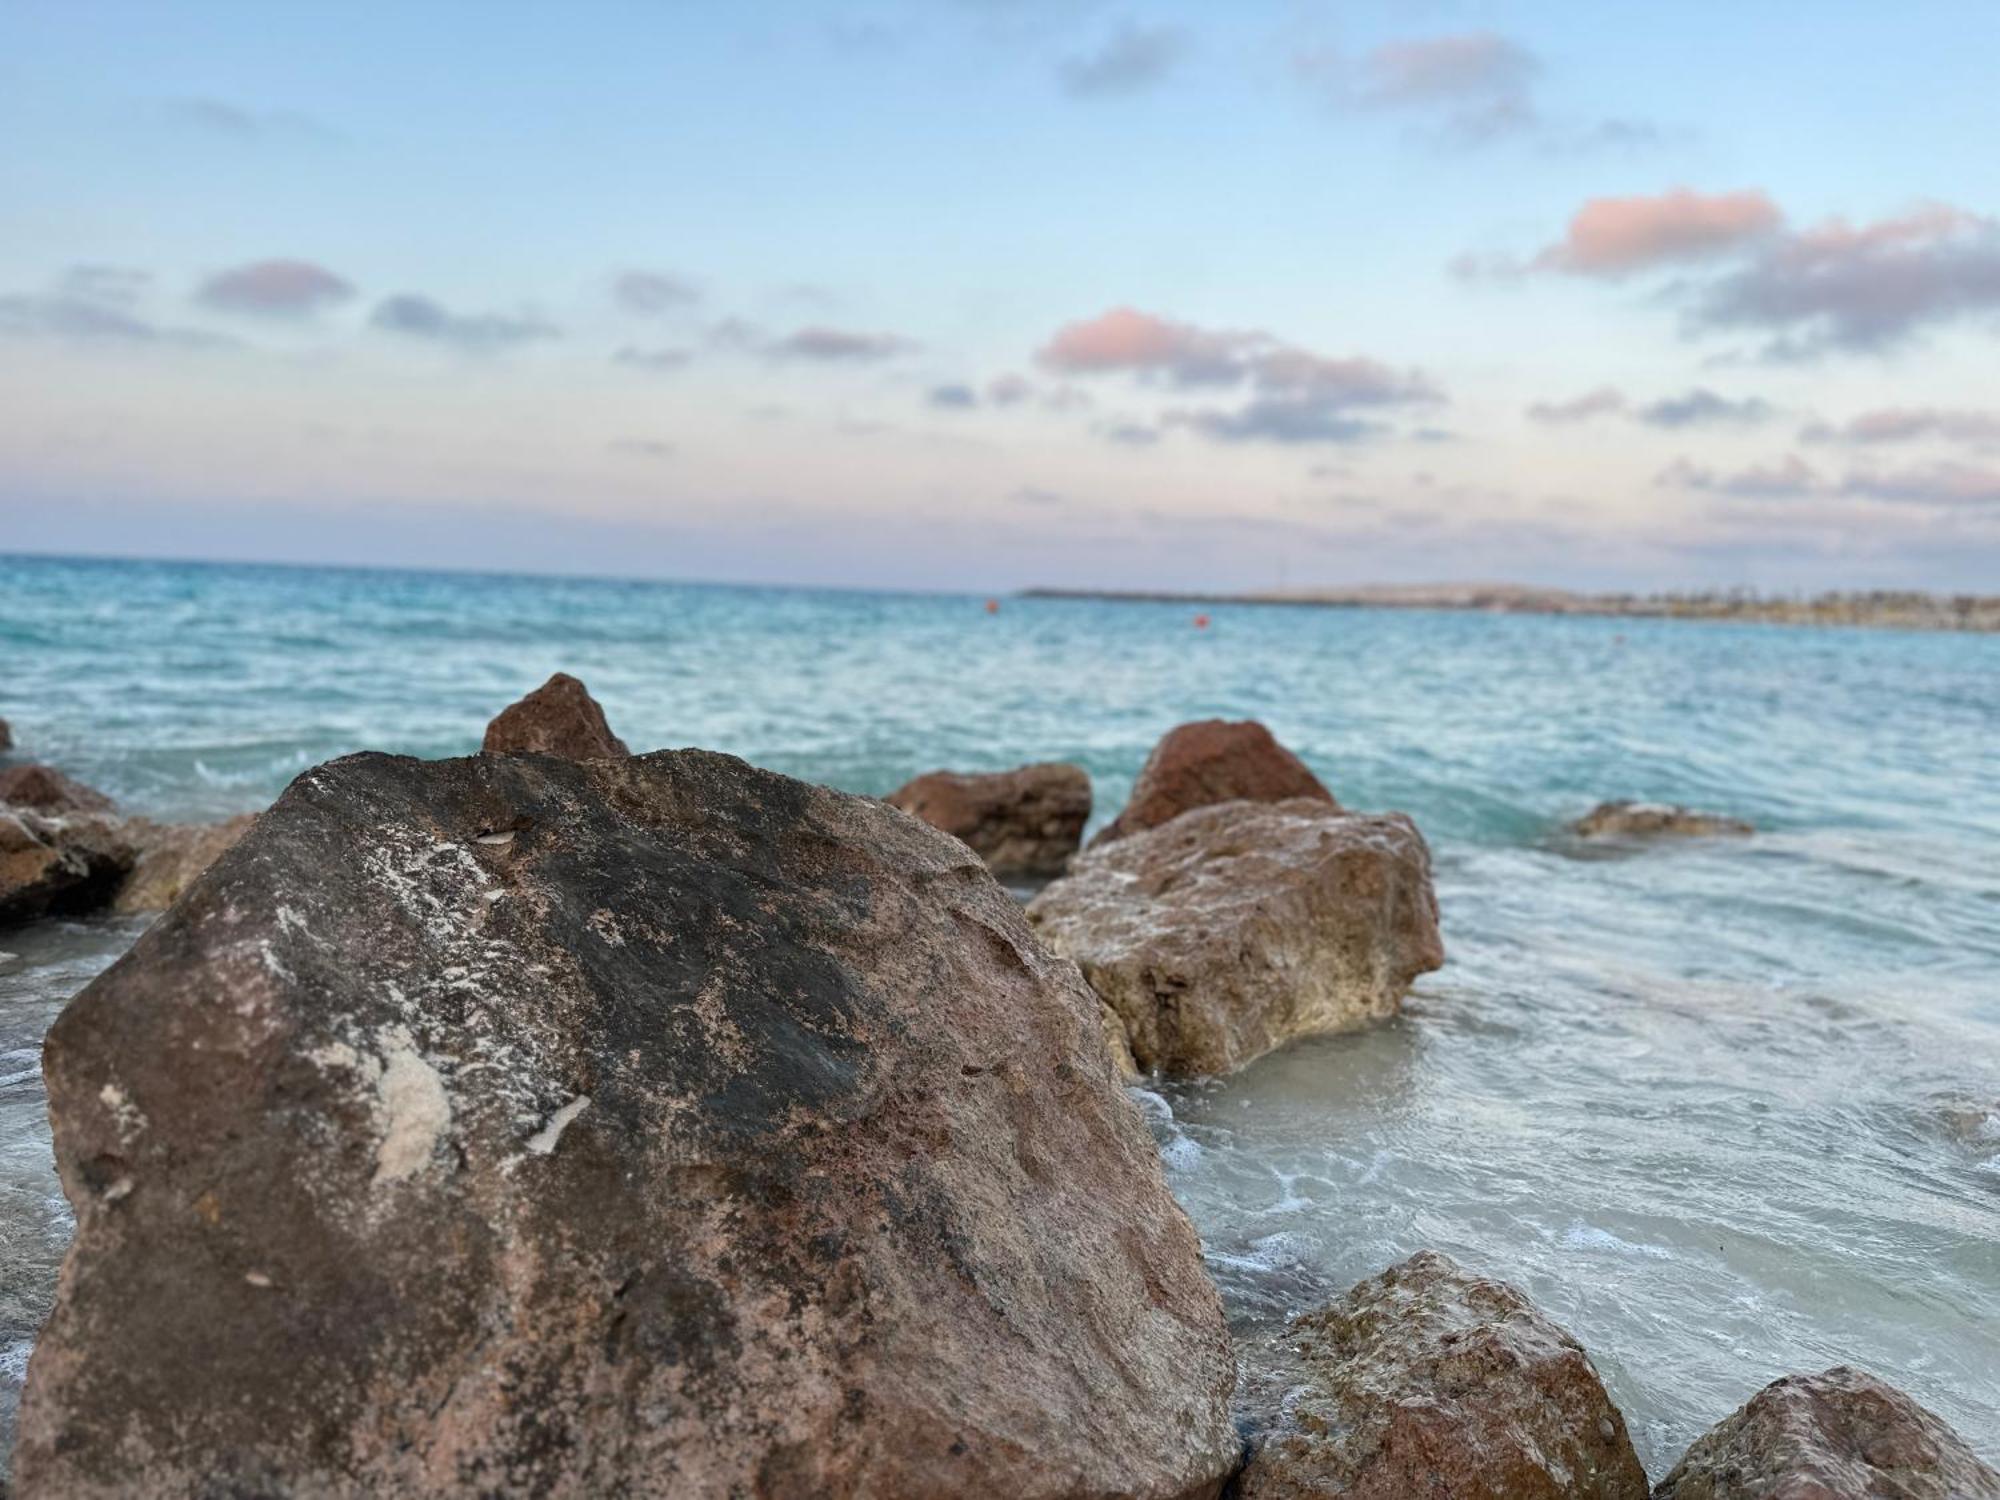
(1726, 1110)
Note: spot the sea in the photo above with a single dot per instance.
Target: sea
(1726, 1109)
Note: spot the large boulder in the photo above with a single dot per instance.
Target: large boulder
(169, 857)
(47, 790)
(58, 865)
(1234, 929)
(557, 718)
(1025, 822)
(654, 1126)
(1210, 761)
(1838, 1435)
(1646, 820)
(1429, 1381)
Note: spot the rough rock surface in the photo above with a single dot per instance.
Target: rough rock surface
(1838, 1435)
(1022, 822)
(1654, 820)
(1210, 761)
(47, 790)
(557, 718)
(6, 735)
(1429, 1381)
(58, 866)
(653, 1126)
(170, 857)
(1236, 928)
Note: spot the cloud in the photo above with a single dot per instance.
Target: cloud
(836, 345)
(1133, 58)
(1295, 395)
(1860, 287)
(1617, 236)
(649, 293)
(1008, 390)
(96, 306)
(1786, 479)
(219, 118)
(1700, 406)
(1129, 434)
(641, 448)
(1950, 485)
(106, 285)
(1910, 424)
(424, 318)
(659, 361)
(274, 288)
(1597, 403)
(952, 397)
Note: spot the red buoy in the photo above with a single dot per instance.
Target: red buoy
(1201, 622)
(993, 606)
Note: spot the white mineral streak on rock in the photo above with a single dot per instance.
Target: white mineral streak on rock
(543, 1141)
(131, 1119)
(413, 1106)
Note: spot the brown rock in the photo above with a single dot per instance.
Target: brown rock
(1654, 820)
(652, 1126)
(1207, 762)
(1838, 1435)
(170, 856)
(58, 866)
(1430, 1381)
(6, 735)
(47, 790)
(557, 718)
(1023, 822)
(1234, 929)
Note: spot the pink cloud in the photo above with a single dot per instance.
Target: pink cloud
(1613, 236)
(1600, 402)
(1911, 424)
(275, 287)
(1126, 339)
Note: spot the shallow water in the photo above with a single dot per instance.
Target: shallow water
(1727, 1109)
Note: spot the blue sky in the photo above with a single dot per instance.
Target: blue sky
(983, 293)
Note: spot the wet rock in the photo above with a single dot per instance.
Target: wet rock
(6, 735)
(1654, 820)
(1236, 928)
(1430, 1381)
(169, 858)
(47, 790)
(1210, 761)
(1838, 1435)
(512, 1125)
(557, 718)
(1023, 822)
(58, 865)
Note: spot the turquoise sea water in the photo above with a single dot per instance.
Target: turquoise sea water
(1726, 1109)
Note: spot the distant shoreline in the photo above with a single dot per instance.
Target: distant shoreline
(1888, 609)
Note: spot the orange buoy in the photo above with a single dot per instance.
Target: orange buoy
(1201, 622)
(993, 606)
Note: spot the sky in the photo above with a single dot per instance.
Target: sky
(984, 294)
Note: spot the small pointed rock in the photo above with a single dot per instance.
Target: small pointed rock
(557, 718)
(1210, 761)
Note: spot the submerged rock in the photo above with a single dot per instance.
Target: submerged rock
(557, 718)
(1654, 820)
(1022, 822)
(47, 790)
(509, 1125)
(1210, 761)
(1838, 1435)
(1237, 928)
(58, 865)
(1429, 1381)
(169, 858)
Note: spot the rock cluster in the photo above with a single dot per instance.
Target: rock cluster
(1838, 1435)
(513, 1125)
(1210, 761)
(557, 718)
(1236, 928)
(1428, 1380)
(1023, 823)
(1638, 820)
(44, 789)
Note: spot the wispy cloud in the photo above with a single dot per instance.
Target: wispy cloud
(1702, 406)
(1600, 402)
(235, 122)
(657, 361)
(274, 288)
(420, 317)
(1132, 58)
(651, 448)
(650, 293)
(1909, 424)
(98, 306)
(838, 346)
(952, 397)
(1785, 479)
